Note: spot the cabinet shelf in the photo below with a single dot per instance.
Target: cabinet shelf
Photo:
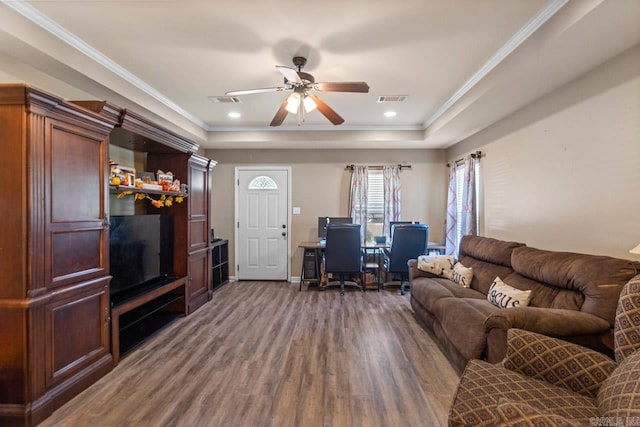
(134, 190)
(137, 332)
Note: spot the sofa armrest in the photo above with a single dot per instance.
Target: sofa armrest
(557, 362)
(414, 272)
(547, 321)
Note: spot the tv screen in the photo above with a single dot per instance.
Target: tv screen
(140, 250)
(324, 220)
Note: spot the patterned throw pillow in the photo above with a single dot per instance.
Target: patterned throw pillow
(462, 275)
(504, 296)
(440, 265)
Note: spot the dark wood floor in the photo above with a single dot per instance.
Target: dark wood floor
(264, 354)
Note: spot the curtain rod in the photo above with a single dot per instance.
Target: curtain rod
(476, 155)
(351, 166)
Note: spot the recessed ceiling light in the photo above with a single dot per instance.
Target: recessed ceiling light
(390, 113)
(234, 115)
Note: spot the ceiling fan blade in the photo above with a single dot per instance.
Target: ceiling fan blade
(290, 74)
(327, 111)
(360, 87)
(280, 114)
(252, 91)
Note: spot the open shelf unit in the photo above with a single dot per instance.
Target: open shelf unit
(219, 263)
(137, 316)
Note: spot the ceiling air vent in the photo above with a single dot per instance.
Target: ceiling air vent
(224, 99)
(391, 98)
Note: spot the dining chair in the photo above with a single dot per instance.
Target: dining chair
(343, 256)
(409, 242)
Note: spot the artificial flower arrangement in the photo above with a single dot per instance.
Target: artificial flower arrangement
(160, 202)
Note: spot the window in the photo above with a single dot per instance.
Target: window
(382, 187)
(263, 183)
(375, 203)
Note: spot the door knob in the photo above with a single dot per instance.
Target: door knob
(284, 234)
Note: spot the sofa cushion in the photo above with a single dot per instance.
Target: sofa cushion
(462, 320)
(545, 296)
(427, 290)
(487, 249)
(488, 257)
(484, 273)
(503, 296)
(483, 385)
(599, 278)
(619, 395)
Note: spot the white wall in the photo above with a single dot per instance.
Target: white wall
(564, 172)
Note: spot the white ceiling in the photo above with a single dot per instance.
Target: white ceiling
(463, 64)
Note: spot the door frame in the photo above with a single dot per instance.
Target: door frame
(289, 205)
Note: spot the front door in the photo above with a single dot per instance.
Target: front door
(262, 221)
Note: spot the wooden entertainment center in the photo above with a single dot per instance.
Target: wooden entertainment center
(60, 330)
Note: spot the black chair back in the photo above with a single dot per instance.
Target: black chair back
(409, 242)
(392, 225)
(342, 249)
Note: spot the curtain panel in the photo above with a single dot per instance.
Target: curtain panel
(451, 225)
(468, 215)
(391, 175)
(462, 216)
(358, 198)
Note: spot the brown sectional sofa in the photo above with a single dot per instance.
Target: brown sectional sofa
(574, 297)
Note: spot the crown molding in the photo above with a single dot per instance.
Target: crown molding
(549, 9)
(46, 23)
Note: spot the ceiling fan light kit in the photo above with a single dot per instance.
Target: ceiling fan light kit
(293, 103)
(301, 101)
(294, 106)
(309, 104)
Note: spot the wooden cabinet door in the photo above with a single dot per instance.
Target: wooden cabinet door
(77, 327)
(76, 255)
(199, 234)
(198, 278)
(76, 239)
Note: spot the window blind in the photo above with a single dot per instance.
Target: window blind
(375, 196)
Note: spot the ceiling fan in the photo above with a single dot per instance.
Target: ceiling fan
(301, 101)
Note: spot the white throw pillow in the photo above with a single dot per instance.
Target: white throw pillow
(462, 275)
(504, 296)
(440, 265)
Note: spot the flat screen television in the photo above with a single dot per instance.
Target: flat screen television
(324, 220)
(140, 251)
